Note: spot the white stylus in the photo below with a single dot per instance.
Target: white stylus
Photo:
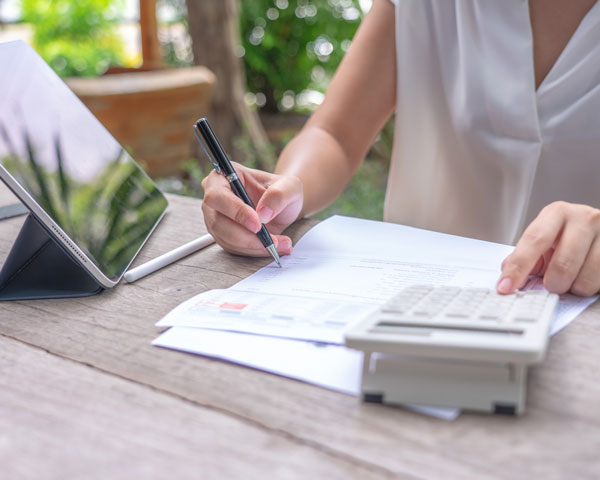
(168, 258)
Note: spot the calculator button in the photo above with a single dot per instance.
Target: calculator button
(525, 319)
(393, 309)
(448, 291)
(489, 316)
(457, 314)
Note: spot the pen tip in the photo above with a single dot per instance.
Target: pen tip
(274, 254)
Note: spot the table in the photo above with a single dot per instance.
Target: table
(83, 394)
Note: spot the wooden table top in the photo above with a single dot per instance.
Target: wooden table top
(83, 394)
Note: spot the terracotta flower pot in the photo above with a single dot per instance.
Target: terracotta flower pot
(150, 113)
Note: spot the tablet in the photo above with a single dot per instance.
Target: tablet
(69, 171)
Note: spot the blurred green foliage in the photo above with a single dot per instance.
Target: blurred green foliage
(294, 45)
(290, 47)
(108, 216)
(175, 52)
(77, 38)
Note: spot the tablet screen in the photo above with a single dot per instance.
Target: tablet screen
(65, 159)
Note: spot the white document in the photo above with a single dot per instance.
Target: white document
(337, 272)
(287, 316)
(330, 366)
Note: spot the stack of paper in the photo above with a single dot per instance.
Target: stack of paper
(290, 321)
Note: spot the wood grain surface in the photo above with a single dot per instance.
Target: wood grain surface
(85, 394)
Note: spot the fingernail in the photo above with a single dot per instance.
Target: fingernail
(265, 214)
(251, 225)
(505, 285)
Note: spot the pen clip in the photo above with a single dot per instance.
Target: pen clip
(211, 159)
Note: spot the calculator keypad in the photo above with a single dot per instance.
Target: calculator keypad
(461, 323)
(424, 303)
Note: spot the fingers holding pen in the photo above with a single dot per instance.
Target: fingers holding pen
(232, 222)
(255, 181)
(274, 194)
(222, 200)
(282, 202)
(236, 239)
(224, 211)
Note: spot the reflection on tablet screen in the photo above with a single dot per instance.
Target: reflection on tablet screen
(70, 165)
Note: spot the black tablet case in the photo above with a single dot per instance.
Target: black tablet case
(38, 266)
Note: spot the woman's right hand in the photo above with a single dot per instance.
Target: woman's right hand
(319, 162)
(233, 224)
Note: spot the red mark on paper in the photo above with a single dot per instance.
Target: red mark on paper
(233, 306)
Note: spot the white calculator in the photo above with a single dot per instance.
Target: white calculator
(453, 346)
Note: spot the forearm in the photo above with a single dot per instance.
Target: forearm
(360, 98)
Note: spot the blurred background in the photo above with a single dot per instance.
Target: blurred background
(148, 68)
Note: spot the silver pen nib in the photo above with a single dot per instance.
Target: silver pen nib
(274, 254)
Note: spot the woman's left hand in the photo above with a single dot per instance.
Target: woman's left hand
(562, 245)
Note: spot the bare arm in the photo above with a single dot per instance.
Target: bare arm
(316, 165)
(361, 97)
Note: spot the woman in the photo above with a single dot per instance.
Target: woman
(497, 135)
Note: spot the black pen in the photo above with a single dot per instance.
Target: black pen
(211, 146)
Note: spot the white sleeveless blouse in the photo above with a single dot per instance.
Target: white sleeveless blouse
(477, 150)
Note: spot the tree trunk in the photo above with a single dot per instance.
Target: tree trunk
(214, 29)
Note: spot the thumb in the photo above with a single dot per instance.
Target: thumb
(281, 193)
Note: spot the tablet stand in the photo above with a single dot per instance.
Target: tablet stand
(39, 267)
